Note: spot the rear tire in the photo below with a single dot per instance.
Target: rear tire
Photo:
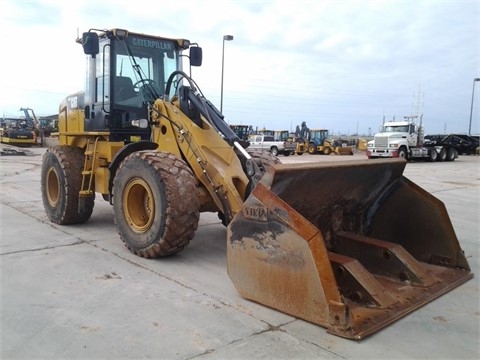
(451, 154)
(155, 203)
(61, 179)
(312, 149)
(442, 155)
(432, 154)
(274, 151)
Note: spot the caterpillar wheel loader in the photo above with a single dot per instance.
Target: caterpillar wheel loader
(143, 136)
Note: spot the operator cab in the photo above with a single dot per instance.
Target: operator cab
(126, 73)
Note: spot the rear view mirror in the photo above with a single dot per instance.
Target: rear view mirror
(90, 43)
(195, 56)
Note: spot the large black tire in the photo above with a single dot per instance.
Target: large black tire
(402, 153)
(155, 203)
(432, 154)
(442, 155)
(274, 151)
(327, 150)
(61, 179)
(312, 148)
(451, 153)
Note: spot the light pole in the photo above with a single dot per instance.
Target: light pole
(225, 38)
(471, 107)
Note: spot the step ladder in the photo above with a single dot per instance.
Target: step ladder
(86, 189)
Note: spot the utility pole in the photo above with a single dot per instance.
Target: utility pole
(418, 100)
(471, 107)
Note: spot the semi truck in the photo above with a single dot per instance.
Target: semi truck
(406, 139)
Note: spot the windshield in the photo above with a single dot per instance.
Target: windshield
(403, 128)
(318, 135)
(142, 66)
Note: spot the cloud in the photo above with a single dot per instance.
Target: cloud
(335, 64)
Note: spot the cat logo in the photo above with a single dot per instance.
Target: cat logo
(73, 102)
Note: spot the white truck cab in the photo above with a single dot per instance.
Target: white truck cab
(406, 139)
(395, 140)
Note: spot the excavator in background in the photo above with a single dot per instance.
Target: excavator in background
(323, 242)
(301, 138)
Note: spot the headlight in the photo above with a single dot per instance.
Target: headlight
(120, 33)
(393, 145)
(370, 145)
(140, 123)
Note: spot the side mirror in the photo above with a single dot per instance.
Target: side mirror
(90, 43)
(195, 56)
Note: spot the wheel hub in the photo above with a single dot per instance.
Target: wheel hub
(53, 187)
(138, 205)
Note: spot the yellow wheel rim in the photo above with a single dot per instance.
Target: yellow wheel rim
(138, 205)
(52, 187)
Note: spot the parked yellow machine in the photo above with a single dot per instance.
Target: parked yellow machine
(322, 242)
(17, 132)
(319, 142)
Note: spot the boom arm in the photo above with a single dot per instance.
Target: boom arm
(200, 135)
(33, 119)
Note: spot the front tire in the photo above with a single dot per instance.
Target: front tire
(155, 203)
(402, 153)
(61, 180)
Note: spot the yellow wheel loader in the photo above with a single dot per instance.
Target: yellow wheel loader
(335, 253)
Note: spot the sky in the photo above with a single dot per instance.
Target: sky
(346, 66)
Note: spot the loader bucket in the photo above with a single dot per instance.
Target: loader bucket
(351, 246)
(344, 150)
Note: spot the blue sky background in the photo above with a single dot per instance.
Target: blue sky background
(340, 65)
